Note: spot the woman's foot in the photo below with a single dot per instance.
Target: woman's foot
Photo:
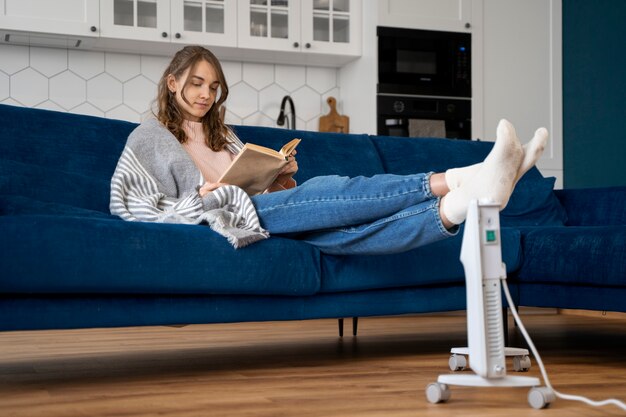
(533, 151)
(455, 177)
(494, 179)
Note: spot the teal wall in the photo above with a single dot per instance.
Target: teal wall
(594, 93)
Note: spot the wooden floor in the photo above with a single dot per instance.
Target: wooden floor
(295, 369)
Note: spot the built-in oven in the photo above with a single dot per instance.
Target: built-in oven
(424, 83)
(424, 117)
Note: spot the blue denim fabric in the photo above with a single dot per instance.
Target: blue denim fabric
(363, 215)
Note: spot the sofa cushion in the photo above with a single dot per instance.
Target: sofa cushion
(433, 264)
(15, 205)
(602, 206)
(320, 153)
(411, 155)
(533, 202)
(59, 254)
(574, 255)
(54, 185)
(72, 143)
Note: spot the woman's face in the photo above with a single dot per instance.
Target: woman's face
(201, 91)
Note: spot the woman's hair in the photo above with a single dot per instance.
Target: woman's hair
(168, 110)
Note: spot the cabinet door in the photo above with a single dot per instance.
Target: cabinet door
(269, 24)
(450, 15)
(135, 19)
(331, 26)
(67, 17)
(207, 22)
(522, 73)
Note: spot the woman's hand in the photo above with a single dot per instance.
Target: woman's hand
(207, 187)
(291, 168)
(284, 180)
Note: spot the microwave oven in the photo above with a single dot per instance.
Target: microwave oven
(424, 62)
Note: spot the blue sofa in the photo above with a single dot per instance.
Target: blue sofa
(65, 262)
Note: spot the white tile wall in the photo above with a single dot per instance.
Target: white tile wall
(123, 86)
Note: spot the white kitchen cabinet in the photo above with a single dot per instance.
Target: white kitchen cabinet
(445, 15)
(332, 26)
(208, 22)
(310, 26)
(212, 22)
(67, 17)
(521, 70)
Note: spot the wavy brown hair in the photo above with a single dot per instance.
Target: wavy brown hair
(168, 110)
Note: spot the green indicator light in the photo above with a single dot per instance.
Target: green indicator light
(491, 235)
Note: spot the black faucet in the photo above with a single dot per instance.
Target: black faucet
(282, 116)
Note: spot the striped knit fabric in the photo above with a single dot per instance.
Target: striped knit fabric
(156, 181)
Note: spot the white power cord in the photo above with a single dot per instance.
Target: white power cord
(613, 401)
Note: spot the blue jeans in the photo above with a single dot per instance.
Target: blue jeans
(362, 215)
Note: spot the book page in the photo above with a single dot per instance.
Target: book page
(256, 167)
(289, 147)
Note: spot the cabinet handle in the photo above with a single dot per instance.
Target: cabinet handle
(177, 36)
(296, 44)
(468, 25)
(93, 28)
(307, 45)
(164, 34)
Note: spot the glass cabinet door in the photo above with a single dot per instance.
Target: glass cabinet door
(269, 24)
(212, 22)
(331, 20)
(331, 25)
(135, 19)
(269, 18)
(136, 13)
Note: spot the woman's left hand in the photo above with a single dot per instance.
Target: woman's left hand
(284, 180)
(291, 168)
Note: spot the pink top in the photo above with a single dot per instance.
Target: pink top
(210, 163)
(213, 164)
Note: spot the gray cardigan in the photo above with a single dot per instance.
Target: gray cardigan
(156, 181)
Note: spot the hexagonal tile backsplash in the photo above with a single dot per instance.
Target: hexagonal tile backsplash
(123, 86)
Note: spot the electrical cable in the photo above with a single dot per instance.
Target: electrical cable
(586, 400)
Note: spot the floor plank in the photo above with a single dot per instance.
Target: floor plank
(295, 368)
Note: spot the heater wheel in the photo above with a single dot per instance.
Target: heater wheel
(437, 392)
(457, 362)
(521, 363)
(540, 397)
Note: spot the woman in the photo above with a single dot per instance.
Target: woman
(169, 169)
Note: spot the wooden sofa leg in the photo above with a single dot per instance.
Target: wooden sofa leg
(340, 327)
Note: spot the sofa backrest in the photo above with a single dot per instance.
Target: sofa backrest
(72, 143)
(58, 157)
(320, 153)
(533, 202)
(69, 159)
(410, 155)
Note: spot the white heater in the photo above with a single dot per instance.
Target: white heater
(481, 255)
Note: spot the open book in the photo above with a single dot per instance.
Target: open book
(256, 167)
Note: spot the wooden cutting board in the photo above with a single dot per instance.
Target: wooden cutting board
(333, 121)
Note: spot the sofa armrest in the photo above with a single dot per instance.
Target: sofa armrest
(594, 206)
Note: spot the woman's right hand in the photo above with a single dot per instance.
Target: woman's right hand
(207, 187)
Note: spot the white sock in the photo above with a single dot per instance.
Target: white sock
(494, 179)
(455, 177)
(533, 151)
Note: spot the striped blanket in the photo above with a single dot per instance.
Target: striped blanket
(156, 181)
